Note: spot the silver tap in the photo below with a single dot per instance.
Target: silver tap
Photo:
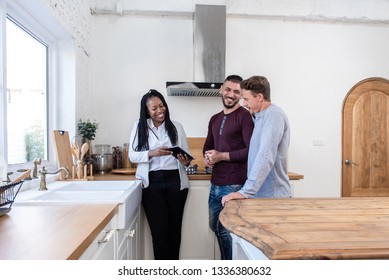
(8, 178)
(43, 172)
(37, 162)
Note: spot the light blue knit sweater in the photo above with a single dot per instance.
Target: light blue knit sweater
(267, 174)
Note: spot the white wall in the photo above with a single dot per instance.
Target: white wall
(312, 51)
(311, 66)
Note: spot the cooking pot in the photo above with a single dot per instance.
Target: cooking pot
(102, 163)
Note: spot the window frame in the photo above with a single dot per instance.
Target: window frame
(17, 13)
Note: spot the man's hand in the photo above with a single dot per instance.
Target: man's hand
(212, 157)
(231, 196)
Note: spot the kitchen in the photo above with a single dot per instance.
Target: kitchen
(313, 54)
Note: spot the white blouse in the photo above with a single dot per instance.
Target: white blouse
(158, 137)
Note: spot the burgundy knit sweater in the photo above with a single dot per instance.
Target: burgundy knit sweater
(230, 133)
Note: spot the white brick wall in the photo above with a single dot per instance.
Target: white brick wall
(75, 17)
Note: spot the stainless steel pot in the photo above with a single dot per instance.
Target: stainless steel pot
(102, 163)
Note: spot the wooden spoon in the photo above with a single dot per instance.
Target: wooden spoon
(75, 151)
(84, 149)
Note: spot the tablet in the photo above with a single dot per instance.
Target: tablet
(177, 150)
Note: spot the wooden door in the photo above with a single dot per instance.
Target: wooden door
(365, 164)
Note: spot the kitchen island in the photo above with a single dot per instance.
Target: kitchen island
(312, 228)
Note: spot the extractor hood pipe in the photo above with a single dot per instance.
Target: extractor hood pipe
(209, 42)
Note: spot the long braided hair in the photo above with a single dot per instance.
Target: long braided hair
(143, 129)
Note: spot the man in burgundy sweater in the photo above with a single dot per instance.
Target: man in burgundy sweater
(225, 150)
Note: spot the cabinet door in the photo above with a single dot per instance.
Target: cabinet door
(197, 241)
(122, 244)
(102, 248)
(133, 239)
(128, 239)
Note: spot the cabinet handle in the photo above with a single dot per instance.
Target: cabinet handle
(131, 233)
(107, 237)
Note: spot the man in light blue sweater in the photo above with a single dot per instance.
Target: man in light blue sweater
(267, 174)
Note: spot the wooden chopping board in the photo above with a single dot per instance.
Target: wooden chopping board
(63, 151)
(124, 171)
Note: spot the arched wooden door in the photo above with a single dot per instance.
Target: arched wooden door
(365, 163)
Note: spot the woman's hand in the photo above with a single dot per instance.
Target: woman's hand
(160, 151)
(183, 159)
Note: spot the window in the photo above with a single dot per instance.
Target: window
(32, 43)
(35, 52)
(26, 100)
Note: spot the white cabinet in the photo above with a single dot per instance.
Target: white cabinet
(243, 250)
(103, 247)
(198, 242)
(116, 244)
(129, 239)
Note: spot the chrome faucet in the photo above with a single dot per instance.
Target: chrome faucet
(43, 172)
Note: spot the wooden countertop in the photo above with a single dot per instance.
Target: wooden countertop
(295, 176)
(199, 176)
(51, 232)
(312, 228)
(203, 176)
(113, 177)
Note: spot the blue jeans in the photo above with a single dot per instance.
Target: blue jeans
(215, 207)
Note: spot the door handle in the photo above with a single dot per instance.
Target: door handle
(131, 233)
(349, 162)
(107, 237)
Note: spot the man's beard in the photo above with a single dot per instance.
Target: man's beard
(229, 106)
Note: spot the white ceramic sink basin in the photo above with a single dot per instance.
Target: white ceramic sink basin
(96, 196)
(90, 185)
(127, 194)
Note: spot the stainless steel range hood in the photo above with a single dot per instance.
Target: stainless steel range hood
(209, 43)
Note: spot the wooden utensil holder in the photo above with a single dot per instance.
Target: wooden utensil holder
(82, 172)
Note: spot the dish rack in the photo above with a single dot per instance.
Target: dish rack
(7, 196)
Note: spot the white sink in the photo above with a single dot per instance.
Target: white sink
(95, 196)
(127, 194)
(90, 185)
